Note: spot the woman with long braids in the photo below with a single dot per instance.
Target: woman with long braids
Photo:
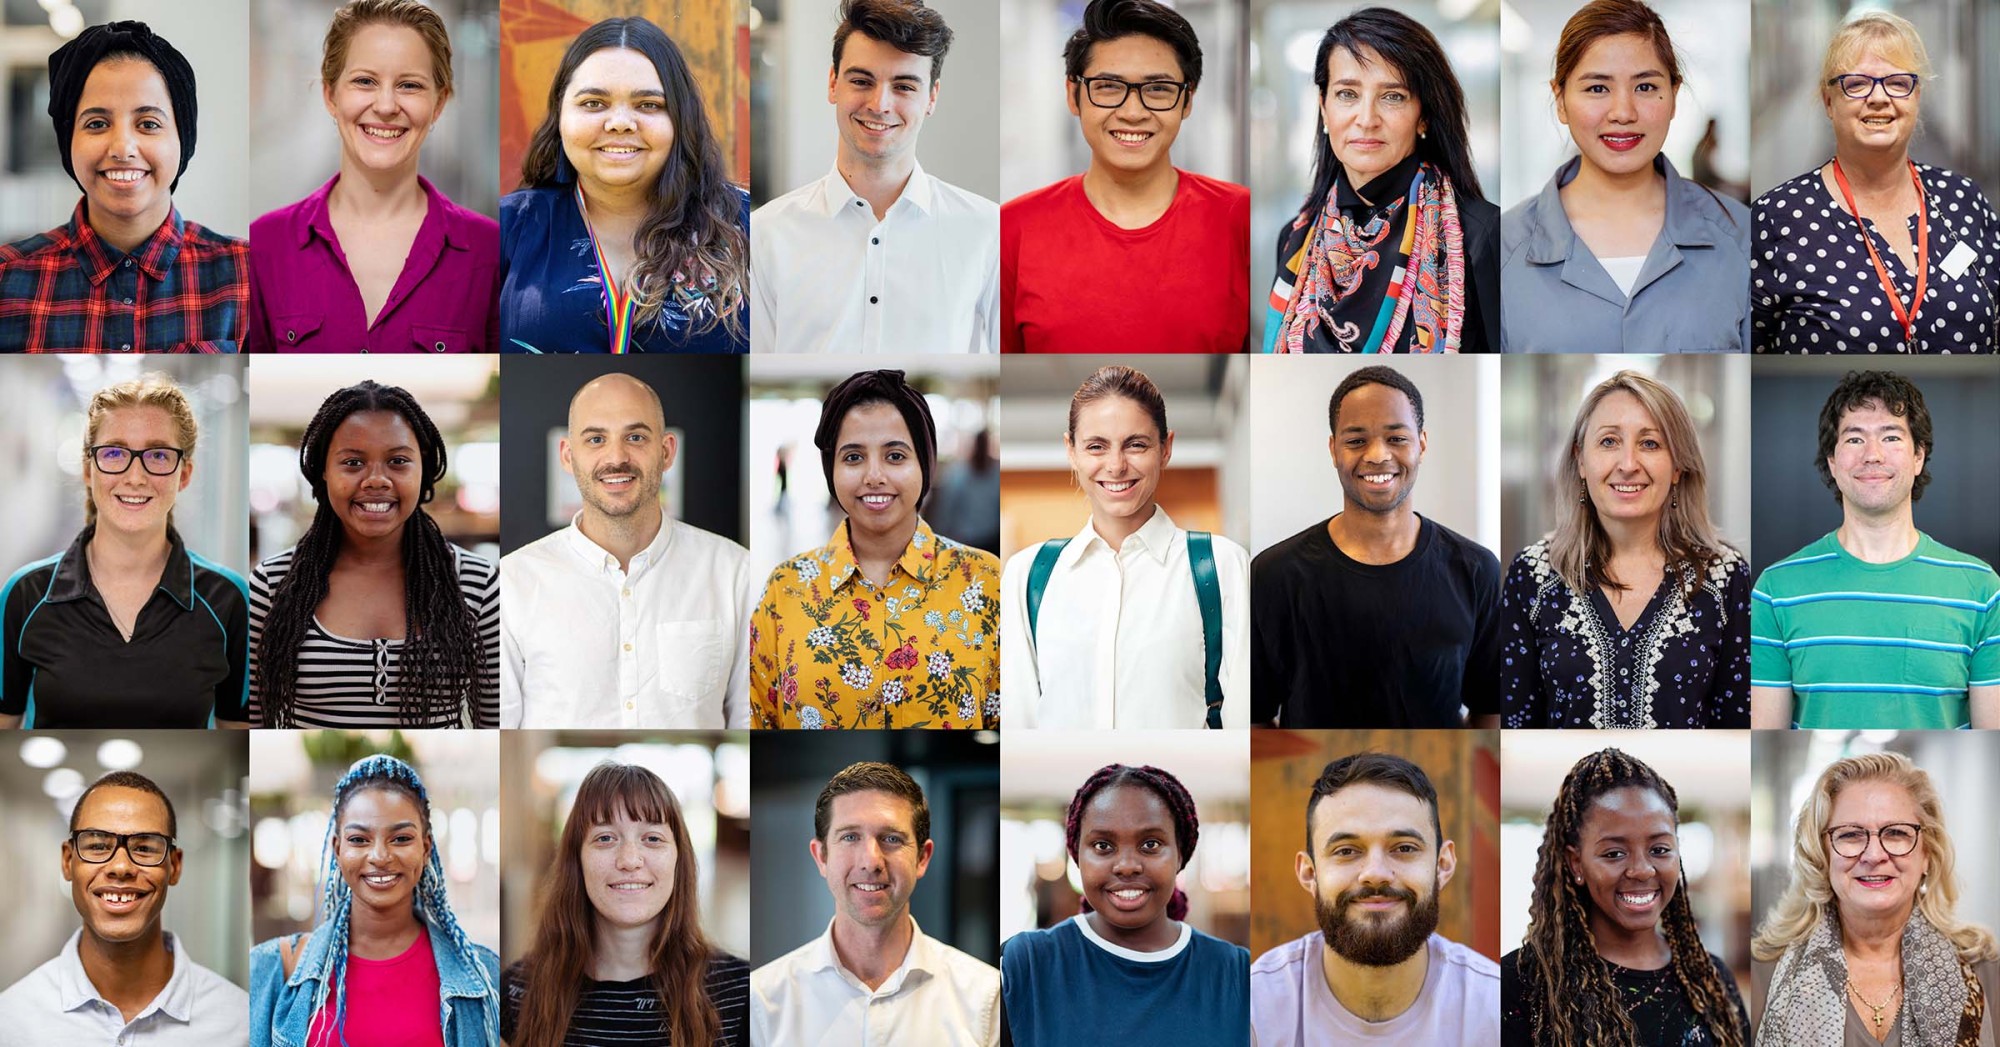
(627, 165)
(373, 619)
(1127, 962)
(388, 962)
(1612, 956)
(618, 954)
(1865, 946)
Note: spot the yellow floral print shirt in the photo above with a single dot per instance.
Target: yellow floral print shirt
(829, 649)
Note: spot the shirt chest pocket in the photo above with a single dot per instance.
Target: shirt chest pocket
(296, 330)
(431, 338)
(693, 657)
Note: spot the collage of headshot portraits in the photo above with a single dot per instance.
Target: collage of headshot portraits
(358, 595)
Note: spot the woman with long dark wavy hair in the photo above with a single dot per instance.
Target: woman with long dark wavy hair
(373, 619)
(1395, 249)
(626, 234)
(1612, 955)
(618, 954)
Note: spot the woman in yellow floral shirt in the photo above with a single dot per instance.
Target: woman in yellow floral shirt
(887, 625)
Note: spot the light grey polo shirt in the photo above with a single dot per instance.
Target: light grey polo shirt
(57, 1004)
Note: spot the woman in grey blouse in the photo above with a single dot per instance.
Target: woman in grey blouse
(1619, 253)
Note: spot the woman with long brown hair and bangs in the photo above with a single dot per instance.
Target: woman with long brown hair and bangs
(626, 234)
(618, 954)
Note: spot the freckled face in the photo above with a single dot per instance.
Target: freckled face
(386, 99)
(628, 870)
(135, 500)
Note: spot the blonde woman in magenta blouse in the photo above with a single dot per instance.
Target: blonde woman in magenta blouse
(377, 259)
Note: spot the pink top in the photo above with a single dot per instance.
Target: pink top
(303, 300)
(395, 1002)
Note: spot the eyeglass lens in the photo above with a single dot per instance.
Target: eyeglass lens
(145, 848)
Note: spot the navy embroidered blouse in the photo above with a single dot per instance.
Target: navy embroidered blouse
(1685, 662)
(552, 296)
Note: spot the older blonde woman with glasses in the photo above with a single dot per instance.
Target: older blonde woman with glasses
(1864, 947)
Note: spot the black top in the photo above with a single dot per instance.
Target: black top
(64, 657)
(1685, 662)
(1813, 288)
(1658, 1005)
(628, 1012)
(1339, 643)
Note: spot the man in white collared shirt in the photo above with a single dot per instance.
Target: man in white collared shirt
(878, 256)
(625, 618)
(874, 978)
(121, 978)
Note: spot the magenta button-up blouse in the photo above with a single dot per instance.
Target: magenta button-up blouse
(303, 300)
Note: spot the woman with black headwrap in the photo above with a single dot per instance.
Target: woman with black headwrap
(889, 624)
(127, 273)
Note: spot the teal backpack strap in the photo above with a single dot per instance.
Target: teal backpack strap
(1208, 593)
(1038, 577)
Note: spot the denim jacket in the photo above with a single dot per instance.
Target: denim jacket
(281, 1008)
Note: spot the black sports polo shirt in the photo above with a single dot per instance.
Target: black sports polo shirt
(64, 663)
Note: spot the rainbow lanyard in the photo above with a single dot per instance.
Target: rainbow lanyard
(617, 305)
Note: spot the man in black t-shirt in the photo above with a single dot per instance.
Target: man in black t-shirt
(1376, 617)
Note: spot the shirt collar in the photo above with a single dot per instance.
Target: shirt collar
(836, 194)
(601, 559)
(98, 260)
(72, 575)
(917, 560)
(921, 957)
(176, 1000)
(442, 218)
(1155, 537)
(1551, 237)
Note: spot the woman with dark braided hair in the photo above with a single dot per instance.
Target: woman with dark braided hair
(1127, 962)
(388, 962)
(373, 619)
(1612, 956)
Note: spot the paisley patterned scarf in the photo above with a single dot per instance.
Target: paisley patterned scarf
(1943, 1004)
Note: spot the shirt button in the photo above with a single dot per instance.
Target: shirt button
(875, 240)
(126, 348)
(128, 301)
(439, 347)
(857, 203)
(128, 263)
(872, 299)
(364, 350)
(628, 646)
(292, 336)
(626, 592)
(628, 705)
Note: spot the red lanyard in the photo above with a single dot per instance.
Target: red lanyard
(1909, 319)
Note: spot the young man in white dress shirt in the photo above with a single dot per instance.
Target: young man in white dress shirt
(878, 256)
(625, 618)
(874, 976)
(121, 978)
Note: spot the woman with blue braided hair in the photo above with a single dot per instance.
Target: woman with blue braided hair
(387, 937)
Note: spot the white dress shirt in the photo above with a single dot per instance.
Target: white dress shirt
(826, 277)
(939, 997)
(57, 1004)
(1123, 632)
(663, 644)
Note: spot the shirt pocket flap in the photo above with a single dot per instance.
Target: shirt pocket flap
(693, 657)
(295, 329)
(430, 338)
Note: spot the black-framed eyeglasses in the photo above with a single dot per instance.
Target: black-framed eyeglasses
(1109, 92)
(1861, 85)
(1851, 841)
(97, 846)
(117, 458)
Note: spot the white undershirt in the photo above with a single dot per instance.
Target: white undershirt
(1624, 271)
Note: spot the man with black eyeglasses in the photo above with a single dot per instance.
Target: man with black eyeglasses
(1135, 254)
(121, 978)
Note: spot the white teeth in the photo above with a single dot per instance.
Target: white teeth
(615, 481)
(385, 133)
(381, 881)
(124, 175)
(119, 897)
(871, 887)
(1640, 900)
(1378, 478)
(134, 499)
(620, 150)
(630, 886)
(876, 501)
(1119, 486)
(1131, 136)
(1628, 488)
(873, 126)
(377, 507)
(1130, 895)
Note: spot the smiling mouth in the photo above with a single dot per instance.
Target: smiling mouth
(1117, 486)
(875, 127)
(1620, 142)
(1878, 121)
(1639, 900)
(375, 507)
(1628, 488)
(1875, 881)
(381, 880)
(619, 151)
(124, 175)
(617, 481)
(386, 134)
(1132, 137)
(134, 499)
(871, 888)
(633, 886)
(119, 898)
(1378, 479)
(877, 501)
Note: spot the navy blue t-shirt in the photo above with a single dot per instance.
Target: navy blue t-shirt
(1065, 986)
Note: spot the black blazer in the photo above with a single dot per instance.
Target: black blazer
(1480, 221)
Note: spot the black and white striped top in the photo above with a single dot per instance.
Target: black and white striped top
(353, 683)
(628, 1012)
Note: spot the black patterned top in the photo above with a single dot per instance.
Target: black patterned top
(1658, 1005)
(1685, 662)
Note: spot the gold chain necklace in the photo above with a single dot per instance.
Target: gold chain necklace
(1877, 1008)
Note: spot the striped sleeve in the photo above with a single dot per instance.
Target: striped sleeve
(1986, 649)
(262, 581)
(1770, 666)
(479, 579)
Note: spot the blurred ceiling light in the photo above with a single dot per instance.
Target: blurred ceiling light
(67, 21)
(120, 754)
(63, 783)
(1456, 10)
(42, 751)
(271, 843)
(1516, 36)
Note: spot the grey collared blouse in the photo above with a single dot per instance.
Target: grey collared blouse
(1692, 294)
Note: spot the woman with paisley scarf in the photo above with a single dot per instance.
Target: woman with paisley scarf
(1864, 948)
(1394, 250)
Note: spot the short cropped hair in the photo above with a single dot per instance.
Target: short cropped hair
(873, 777)
(1374, 374)
(1382, 769)
(127, 780)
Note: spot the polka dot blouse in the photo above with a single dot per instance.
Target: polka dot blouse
(1814, 290)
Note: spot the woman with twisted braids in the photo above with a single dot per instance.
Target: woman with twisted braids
(1127, 962)
(388, 962)
(618, 954)
(1864, 947)
(1612, 955)
(373, 619)
(1395, 249)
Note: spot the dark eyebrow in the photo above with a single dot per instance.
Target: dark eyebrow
(369, 828)
(356, 450)
(1394, 834)
(1144, 78)
(1362, 428)
(642, 92)
(630, 427)
(1636, 76)
(898, 78)
(1351, 82)
(98, 110)
(844, 448)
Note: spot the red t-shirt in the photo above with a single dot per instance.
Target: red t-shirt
(1072, 282)
(396, 1002)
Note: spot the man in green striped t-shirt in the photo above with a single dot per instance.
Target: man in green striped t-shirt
(1876, 625)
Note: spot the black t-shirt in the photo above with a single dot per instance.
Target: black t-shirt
(1340, 643)
(629, 1012)
(1658, 1005)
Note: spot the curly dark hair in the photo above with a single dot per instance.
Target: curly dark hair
(1885, 389)
(1374, 374)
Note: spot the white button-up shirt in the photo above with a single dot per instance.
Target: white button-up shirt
(57, 1004)
(1118, 642)
(664, 644)
(827, 277)
(939, 997)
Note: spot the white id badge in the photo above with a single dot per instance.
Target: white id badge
(1955, 262)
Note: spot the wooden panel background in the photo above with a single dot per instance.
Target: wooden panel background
(1463, 765)
(1045, 503)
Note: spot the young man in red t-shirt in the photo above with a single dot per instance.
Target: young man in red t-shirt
(1133, 255)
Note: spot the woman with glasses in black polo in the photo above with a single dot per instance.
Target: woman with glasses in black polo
(1873, 252)
(126, 628)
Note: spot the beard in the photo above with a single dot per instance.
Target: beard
(1373, 941)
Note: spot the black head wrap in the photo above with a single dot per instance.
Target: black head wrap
(870, 387)
(70, 66)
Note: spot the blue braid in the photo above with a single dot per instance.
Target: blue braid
(432, 905)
